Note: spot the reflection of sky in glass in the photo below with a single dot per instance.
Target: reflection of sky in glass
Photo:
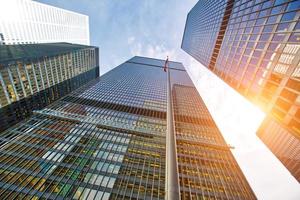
(155, 29)
(129, 84)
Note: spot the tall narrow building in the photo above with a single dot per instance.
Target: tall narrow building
(34, 75)
(254, 46)
(116, 137)
(27, 22)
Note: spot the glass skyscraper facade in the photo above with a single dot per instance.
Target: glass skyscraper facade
(258, 53)
(27, 21)
(34, 75)
(206, 24)
(107, 140)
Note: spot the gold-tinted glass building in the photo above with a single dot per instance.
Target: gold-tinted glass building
(109, 140)
(34, 75)
(257, 52)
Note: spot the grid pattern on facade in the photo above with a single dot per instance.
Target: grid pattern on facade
(284, 145)
(202, 27)
(155, 62)
(144, 174)
(26, 80)
(260, 54)
(34, 52)
(26, 21)
(260, 57)
(80, 149)
(207, 169)
(133, 85)
(59, 158)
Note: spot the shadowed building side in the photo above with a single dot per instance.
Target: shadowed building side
(285, 146)
(34, 75)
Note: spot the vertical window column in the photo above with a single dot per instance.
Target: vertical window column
(71, 65)
(5, 92)
(28, 78)
(41, 74)
(93, 58)
(55, 66)
(88, 59)
(59, 69)
(62, 69)
(51, 71)
(21, 81)
(67, 72)
(46, 71)
(12, 83)
(35, 79)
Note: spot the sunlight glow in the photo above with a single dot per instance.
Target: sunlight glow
(238, 121)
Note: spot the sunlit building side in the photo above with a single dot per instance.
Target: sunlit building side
(26, 21)
(107, 140)
(257, 53)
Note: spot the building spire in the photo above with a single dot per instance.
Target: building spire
(166, 64)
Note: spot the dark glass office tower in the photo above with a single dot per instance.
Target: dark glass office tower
(110, 139)
(257, 52)
(34, 75)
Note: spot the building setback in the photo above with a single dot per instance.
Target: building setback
(254, 46)
(34, 75)
(26, 21)
(109, 140)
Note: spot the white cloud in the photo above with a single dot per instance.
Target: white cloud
(160, 51)
(130, 40)
(152, 51)
(136, 49)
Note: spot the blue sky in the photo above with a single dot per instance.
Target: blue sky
(154, 28)
(125, 28)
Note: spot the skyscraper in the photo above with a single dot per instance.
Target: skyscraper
(26, 21)
(116, 138)
(34, 75)
(254, 46)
